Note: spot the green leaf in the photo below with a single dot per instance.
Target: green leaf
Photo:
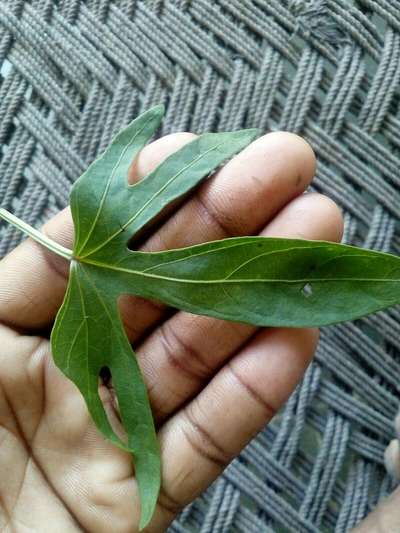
(261, 281)
(264, 281)
(88, 334)
(108, 212)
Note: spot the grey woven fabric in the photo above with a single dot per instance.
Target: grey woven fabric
(74, 72)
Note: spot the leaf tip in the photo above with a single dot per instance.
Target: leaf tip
(158, 109)
(143, 522)
(246, 135)
(145, 517)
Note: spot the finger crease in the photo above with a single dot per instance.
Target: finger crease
(271, 411)
(28, 444)
(204, 444)
(215, 219)
(184, 358)
(6, 514)
(31, 456)
(167, 503)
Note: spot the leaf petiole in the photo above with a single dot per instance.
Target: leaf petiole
(36, 235)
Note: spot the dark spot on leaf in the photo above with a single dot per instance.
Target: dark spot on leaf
(307, 290)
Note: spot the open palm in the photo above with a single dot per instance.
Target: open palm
(212, 384)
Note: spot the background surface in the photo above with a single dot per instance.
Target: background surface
(74, 72)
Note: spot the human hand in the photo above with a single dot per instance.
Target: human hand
(385, 518)
(212, 384)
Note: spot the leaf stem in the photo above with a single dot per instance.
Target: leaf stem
(35, 234)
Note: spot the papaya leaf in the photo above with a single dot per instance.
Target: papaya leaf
(257, 280)
(265, 281)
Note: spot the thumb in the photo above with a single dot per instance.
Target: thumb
(33, 279)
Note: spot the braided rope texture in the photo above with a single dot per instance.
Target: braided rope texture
(74, 72)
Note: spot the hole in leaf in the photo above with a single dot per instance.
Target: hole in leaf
(109, 400)
(307, 290)
(105, 375)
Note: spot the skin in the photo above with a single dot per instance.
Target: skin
(384, 519)
(213, 384)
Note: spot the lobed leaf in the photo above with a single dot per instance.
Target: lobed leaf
(108, 212)
(261, 281)
(264, 281)
(103, 186)
(88, 334)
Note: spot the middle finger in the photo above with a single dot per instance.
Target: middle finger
(238, 200)
(186, 350)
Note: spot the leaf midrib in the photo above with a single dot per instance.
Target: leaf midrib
(234, 281)
(85, 321)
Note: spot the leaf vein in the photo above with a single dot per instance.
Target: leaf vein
(108, 185)
(150, 200)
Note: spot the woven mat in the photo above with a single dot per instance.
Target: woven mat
(74, 72)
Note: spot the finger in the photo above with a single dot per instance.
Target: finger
(272, 170)
(239, 200)
(202, 438)
(180, 355)
(244, 195)
(33, 279)
(384, 519)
